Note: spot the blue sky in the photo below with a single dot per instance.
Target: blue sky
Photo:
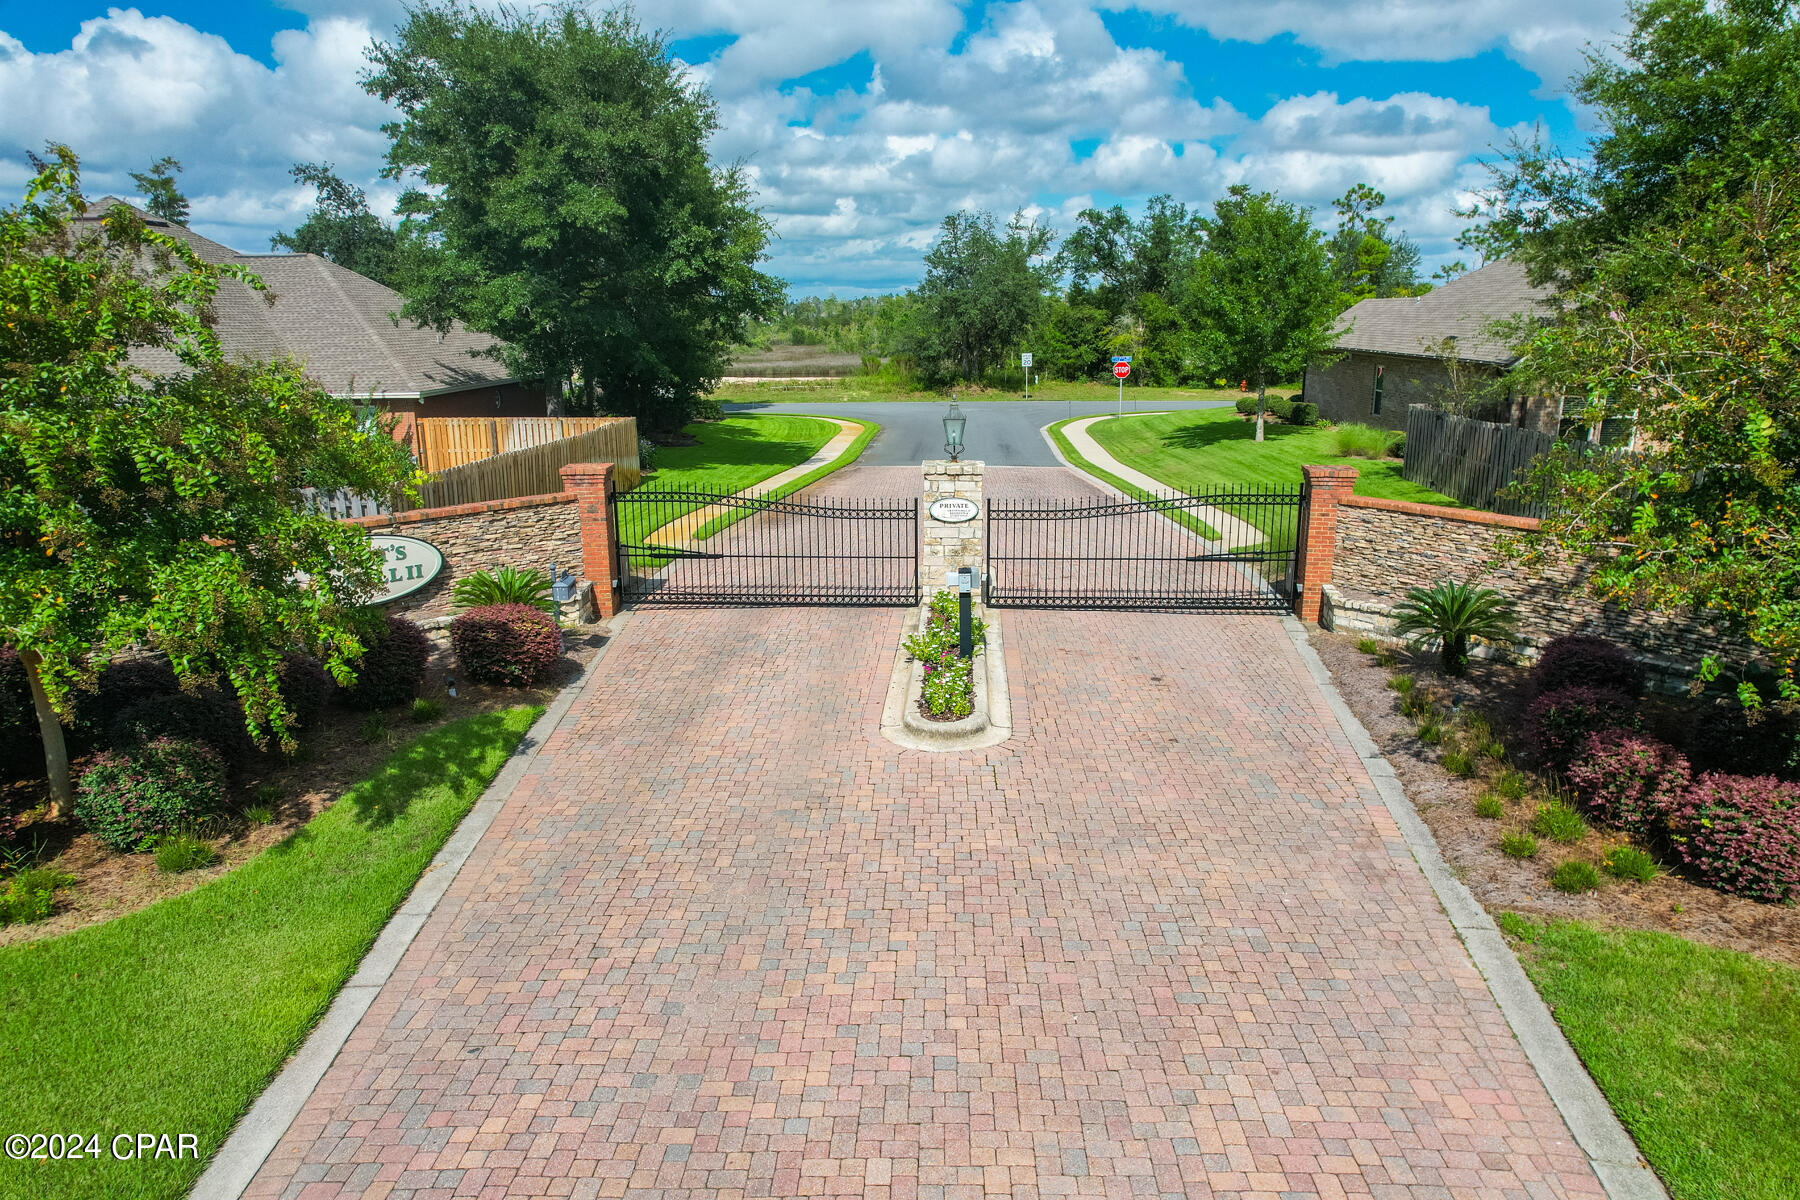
(861, 124)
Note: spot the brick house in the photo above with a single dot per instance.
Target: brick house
(342, 328)
(1404, 351)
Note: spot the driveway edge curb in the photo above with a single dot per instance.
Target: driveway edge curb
(1596, 1128)
(261, 1129)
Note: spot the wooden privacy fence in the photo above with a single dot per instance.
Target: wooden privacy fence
(440, 443)
(1472, 461)
(535, 471)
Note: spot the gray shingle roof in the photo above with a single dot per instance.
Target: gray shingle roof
(339, 325)
(1462, 309)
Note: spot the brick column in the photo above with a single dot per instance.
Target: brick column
(1318, 536)
(592, 484)
(944, 545)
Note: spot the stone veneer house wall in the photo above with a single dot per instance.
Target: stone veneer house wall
(1397, 352)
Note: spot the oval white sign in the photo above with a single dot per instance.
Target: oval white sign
(953, 510)
(407, 564)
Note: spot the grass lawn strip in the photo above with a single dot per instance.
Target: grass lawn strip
(1217, 447)
(866, 389)
(1696, 1048)
(173, 1019)
(733, 454)
(1180, 516)
(851, 453)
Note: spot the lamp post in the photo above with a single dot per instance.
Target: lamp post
(953, 431)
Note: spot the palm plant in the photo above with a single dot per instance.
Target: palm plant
(508, 585)
(1449, 615)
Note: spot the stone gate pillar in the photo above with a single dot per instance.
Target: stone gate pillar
(947, 543)
(1318, 536)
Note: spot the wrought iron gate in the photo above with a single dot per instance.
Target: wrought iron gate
(1219, 548)
(689, 547)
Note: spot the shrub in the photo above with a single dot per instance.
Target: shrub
(1397, 447)
(130, 799)
(1724, 739)
(512, 644)
(1490, 806)
(1575, 876)
(209, 716)
(1628, 779)
(1518, 844)
(390, 669)
(1559, 822)
(1741, 834)
(1628, 862)
(1450, 615)
(1557, 724)
(1581, 658)
(30, 895)
(948, 690)
(1360, 441)
(305, 687)
(1281, 406)
(119, 686)
(1303, 413)
(508, 585)
(1247, 405)
(183, 850)
(648, 450)
(21, 750)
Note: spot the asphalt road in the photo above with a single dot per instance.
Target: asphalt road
(1001, 433)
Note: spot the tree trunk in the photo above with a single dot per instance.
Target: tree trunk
(56, 751)
(1260, 389)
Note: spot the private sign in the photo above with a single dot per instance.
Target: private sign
(407, 564)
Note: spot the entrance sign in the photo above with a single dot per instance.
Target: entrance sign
(953, 510)
(407, 564)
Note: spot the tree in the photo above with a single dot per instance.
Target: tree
(161, 197)
(1073, 340)
(982, 291)
(1368, 258)
(161, 511)
(1674, 245)
(1112, 260)
(1262, 301)
(341, 228)
(568, 206)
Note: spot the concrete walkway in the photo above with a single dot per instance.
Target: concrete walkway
(1233, 531)
(723, 940)
(678, 533)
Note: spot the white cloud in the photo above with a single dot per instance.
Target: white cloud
(855, 175)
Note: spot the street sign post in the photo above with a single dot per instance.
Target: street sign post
(1025, 370)
(1122, 368)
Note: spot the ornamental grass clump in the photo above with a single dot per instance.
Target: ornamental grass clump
(130, 799)
(1575, 877)
(511, 644)
(1360, 441)
(1629, 780)
(1741, 834)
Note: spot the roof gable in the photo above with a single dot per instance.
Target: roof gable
(1462, 309)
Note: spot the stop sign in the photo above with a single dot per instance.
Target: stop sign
(1121, 369)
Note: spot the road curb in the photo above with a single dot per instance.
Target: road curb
(1610, 1150)
(262, 1128)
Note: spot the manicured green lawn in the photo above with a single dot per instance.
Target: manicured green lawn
(1076, 457)
(1697, 1049)
(172, 1019)
(1216, 447)
(865, 389)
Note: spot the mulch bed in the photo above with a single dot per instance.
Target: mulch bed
(333, 757)
(1470, 844)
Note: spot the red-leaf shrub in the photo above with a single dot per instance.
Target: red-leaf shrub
(120, 685)
(1558, 722)
(1723, 739)
(305, 687)
(390, 669)
(130, 799)
(1741, 833)
(513, 644)
(209, 716)
(1581, 658)
(1629, 779)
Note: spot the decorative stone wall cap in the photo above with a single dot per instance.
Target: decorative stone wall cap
(585, 470)
(1469, 516)
(1322, 471)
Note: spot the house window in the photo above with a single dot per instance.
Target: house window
(1377, 397)
(1619, 431)
(1569, 428)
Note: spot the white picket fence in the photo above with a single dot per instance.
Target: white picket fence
(341, 505)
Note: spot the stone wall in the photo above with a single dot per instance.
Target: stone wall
(531, 531)
(944, 546)
(1384, 547)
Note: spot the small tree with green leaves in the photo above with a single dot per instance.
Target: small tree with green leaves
(161, 196)
(161, 511)
(341, 228)
(1262, 300)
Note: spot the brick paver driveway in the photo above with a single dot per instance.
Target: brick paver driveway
(726, 941)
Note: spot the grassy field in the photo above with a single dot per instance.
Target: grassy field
(866, 389)
(1192, 450)
(172, 1019)
(1697, 1049)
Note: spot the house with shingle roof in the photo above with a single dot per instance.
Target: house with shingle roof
(345, 331)
(1408, 350)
